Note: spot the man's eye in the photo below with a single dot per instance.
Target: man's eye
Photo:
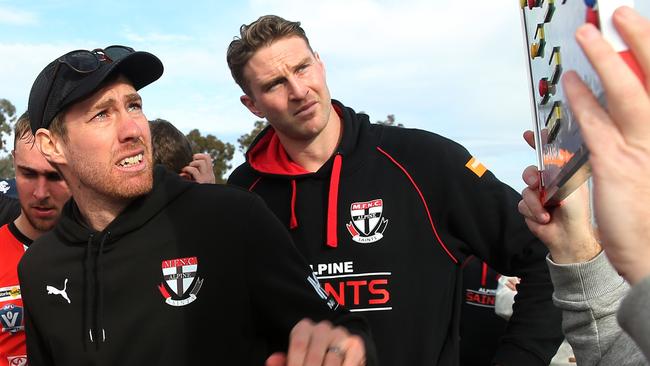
(274, 85)
(53, 177)
(135, 107)
(101, 115)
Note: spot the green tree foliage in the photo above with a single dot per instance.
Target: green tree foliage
(390, 121)
(220, 152)
(7, 119)
(7, 167)
(246, 140)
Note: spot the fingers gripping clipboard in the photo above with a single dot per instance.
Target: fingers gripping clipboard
(549, 28)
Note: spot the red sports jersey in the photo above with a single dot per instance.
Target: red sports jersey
(12, 335)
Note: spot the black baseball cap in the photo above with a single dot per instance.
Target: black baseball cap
(60, 85)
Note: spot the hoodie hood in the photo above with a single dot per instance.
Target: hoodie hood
(71, 227)
(268, 157)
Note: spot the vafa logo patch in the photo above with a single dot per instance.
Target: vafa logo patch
(367, 225)
(11, 318)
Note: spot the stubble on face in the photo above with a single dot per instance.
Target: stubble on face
(288, 88)
(108, 157)
(41, 190)
(96, 177)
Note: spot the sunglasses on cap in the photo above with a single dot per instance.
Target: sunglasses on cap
(85, 62)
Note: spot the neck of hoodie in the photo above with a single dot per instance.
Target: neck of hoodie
(268, 157)
(271, 153)
(98, 212)
(73, 228)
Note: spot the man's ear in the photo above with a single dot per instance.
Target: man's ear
(250, 104)
(50, 146)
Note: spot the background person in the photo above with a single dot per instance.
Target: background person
(173, 150)
(42, 194)
(587, 288)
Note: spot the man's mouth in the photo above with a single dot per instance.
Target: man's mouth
(42, 208)
(131, 160)
(43, 211)
(304, 107)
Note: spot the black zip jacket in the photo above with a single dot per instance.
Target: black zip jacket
(385, 224)
(188, 274)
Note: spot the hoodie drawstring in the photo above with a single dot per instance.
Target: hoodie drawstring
(332, 202)
(86, 293)
(293, 221)
(99, 278)
(95, 291)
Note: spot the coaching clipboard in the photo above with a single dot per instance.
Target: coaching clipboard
(549, 28)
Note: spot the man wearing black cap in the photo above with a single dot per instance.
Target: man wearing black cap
(137, 272)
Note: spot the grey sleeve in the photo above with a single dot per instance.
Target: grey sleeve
(634, 315)
(589, 295)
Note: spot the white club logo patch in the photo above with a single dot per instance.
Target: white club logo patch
(179, 274)
(367, 225)
(4, 187)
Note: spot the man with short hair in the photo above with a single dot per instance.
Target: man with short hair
(172, 149)
(146, 268)
(42, 193)
(385, 215)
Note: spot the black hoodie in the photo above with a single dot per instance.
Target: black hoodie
(386, 222)
(188, 274)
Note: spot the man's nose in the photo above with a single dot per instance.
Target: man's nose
(297, 88)
(128, 129)
(41, 191)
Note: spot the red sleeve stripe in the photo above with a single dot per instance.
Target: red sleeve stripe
(424, 202)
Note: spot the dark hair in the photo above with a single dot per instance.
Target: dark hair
(170, 147)
(260, 33)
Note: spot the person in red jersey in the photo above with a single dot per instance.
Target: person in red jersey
(42, 193)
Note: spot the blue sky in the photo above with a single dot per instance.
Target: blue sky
(456, 68)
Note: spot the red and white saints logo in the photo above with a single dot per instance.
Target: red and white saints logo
(179, 274)
(367, 225)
